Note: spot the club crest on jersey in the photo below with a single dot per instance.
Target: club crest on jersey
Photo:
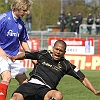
(20, 26)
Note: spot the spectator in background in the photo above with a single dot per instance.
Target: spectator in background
(29, 21)
(97, 22)
(90, 20)
(62, 20)
(74, 19)
(69, 21)
(78, 22)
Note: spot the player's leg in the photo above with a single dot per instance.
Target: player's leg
(53, 95)
(17, 96)
(21, 78)
(23, 92)
(5, 78)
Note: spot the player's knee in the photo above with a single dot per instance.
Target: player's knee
(7, 79)
(58, 96)
(53, 95)
(6, 76)
(17, 96)
(14, 97)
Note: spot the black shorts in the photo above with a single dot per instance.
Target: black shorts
(31, 91)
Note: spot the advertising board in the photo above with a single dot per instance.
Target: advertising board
(82, 46)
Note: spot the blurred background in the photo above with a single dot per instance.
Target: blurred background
(46, 12)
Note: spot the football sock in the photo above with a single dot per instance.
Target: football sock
(3, 90)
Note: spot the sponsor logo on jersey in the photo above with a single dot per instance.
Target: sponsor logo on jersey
(11, 33)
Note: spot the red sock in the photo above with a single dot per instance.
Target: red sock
(3, 90)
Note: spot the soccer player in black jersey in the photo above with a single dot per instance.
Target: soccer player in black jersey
(48, 71)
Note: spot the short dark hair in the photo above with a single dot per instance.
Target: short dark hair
(61, 42)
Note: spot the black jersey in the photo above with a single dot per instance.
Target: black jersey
(50, 71)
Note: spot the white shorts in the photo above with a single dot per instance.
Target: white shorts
(16, 67)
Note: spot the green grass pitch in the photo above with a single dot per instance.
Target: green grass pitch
(70, 87)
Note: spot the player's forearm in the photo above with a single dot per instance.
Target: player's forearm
(20, 56)
(89, 85)
(25, 46)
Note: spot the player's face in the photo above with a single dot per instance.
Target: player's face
(58, 51)
(21, 12)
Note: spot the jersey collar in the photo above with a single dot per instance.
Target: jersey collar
(15, 18)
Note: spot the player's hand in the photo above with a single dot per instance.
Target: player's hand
(97, 93)
(12, 58)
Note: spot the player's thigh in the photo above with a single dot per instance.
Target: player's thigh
(21, 78)
(5, 70)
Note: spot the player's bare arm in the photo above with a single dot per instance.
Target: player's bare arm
(89, 85)
(20, 56)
